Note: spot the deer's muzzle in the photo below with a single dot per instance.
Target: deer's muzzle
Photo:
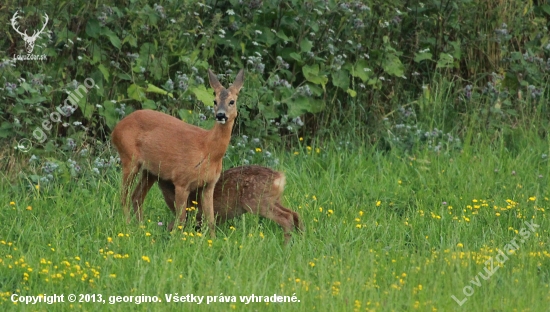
(221, 117)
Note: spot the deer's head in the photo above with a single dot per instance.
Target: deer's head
(225, 108)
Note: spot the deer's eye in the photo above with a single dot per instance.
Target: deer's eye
(215, 102)
(231, 102)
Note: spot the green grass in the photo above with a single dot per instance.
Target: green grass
(384, 232)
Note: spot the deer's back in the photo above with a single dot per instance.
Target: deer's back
(164, 143)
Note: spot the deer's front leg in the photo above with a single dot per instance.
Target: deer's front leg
(182, 192)
(208, 208)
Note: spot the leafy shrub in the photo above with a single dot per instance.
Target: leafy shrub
(312, 66)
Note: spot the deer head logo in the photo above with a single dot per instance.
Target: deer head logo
(29, 40)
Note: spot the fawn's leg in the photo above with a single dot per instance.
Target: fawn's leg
(284, 218)
(295, 216)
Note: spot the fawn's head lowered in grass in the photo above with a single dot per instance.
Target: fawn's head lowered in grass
(163, 146)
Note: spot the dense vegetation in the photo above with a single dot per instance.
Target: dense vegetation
(312, 66)
(413, 136)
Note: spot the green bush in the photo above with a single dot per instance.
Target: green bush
(313, 67)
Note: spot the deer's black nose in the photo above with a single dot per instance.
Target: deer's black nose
(221, 116)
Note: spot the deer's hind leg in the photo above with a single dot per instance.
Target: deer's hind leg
(129, 171)
(295, 216)
(169, 193)
(138, 197)
(284, 217)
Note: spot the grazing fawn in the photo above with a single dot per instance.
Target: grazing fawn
(239, 190)
(162, 146)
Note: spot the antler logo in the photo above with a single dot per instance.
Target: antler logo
(29, 40)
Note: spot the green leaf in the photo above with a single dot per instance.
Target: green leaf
(6, 130)
(341, 79)
(149, 104)
(311, 73)
(393, 66)
(115, 41)
(510, 81)
(352, 93)
(282, 35)
(445, 61)
(202, 94)
(457, 52)
(154, 89)
(314, 26)
(361, 70)
(86, 108)
(315, 90)
(146, 49)
(305, 45)
(92, 28)
(375, 83)
(96, 53)
(266, 36)
(19, 109)
(113, 38)
(98, 78)
(108, 112)
(131, 40)
(124, 76)
(419, 57)
(136, 92)
(34, 100)
(104, 71)
(301, 105)
(268, 111)
(152, 17)
(295, 56)
(185, 114)
(516, 56)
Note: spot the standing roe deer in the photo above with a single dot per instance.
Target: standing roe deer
(253, 189)
(165, 147)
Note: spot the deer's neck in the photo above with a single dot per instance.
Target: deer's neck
(218, 139)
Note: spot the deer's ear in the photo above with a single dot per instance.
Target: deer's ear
(238, 83)
(214, 82)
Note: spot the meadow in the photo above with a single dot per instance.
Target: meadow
(413, 135)
(385, 231)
